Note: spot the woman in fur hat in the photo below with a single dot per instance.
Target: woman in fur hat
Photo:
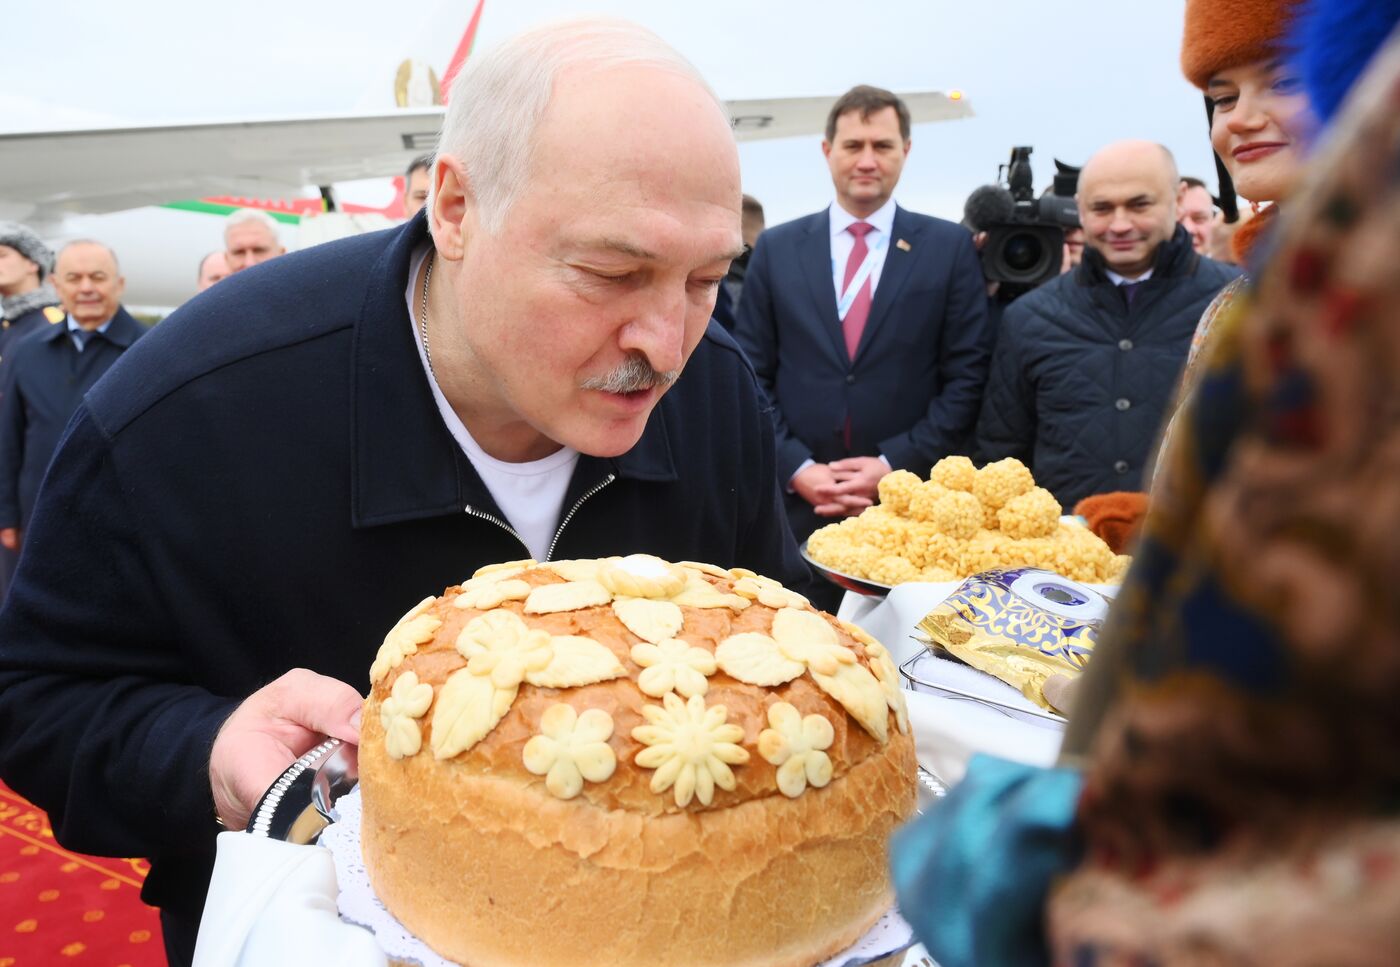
(1229, 791)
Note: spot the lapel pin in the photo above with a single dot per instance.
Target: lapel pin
(902, 245)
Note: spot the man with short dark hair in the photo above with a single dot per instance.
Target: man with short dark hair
(1086, 364)
(415, 184)
(865, 323)
(1195, 209)
(49, 373)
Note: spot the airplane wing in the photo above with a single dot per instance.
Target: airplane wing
(788, 117)
(48, 174)
(51, 173)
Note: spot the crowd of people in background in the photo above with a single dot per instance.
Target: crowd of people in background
(871, 327)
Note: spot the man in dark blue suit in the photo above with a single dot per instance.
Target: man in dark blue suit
(50, 371)
(865, 323)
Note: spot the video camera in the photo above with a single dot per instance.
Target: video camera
(1025, 240)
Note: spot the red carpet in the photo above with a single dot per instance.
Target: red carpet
(59, 908)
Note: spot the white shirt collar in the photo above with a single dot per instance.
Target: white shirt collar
(1117, 279)
(882, 218)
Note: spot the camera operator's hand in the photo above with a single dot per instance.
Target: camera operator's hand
(858, 481)
(272, 728)
(816, 484)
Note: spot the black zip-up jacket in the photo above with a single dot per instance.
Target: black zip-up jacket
(265, 482)
(1080, 381)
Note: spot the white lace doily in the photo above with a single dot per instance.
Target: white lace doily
(359, 905)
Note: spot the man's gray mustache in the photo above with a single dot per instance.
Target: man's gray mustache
(633, 375)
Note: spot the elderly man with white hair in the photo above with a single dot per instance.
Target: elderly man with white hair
(250, 238)
(524, 370)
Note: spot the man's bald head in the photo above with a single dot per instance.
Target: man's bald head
(1135, 157)
(88, 281)
(1127, 204)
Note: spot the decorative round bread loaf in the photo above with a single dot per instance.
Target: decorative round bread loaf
(627, 761)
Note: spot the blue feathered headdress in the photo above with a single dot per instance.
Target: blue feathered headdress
(1332, 41)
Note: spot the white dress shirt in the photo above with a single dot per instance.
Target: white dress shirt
(842, 241)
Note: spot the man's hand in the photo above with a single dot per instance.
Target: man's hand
(9, 538)
(817, 485)
(274, 727)
(858, 481)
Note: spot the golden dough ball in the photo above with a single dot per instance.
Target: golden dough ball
(892, 569)
(990, 519)
(938, 575)
(983, 552)
(880, 528)
(955, 473)
(996, 483)
(1035, 513)
(895, 490)
(953, 512)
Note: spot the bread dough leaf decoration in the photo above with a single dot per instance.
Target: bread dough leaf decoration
(767, 591)
(575, 661)
(797, 746)
(754, 658)
(575, 570)
(569, 596)
(571, 748)
(403, 639)
(400, 712)
(699, 593)
(882, 664)
(500, 646)
(710, 569)
(468, 708)
(691, 747)
(802, 639)
(806, 637)
(642, 576)
(505, 569)
(483, 594)
(673, 666)
(860, 694)
(653, 621)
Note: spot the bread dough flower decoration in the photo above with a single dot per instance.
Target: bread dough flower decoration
(502, 652)
(797, 746)
(412, 630)
(668, 664)
(673, 666)
(691, 747)
(571, 748)
(765, 591)
(802, 641)
(400, 712)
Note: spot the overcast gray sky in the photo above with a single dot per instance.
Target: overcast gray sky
(1065, 77)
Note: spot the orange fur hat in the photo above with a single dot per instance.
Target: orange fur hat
(1227, 33)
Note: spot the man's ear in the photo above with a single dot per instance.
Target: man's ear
(452, 207)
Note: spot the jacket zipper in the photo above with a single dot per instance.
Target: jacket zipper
(501, 524)
(549, 556)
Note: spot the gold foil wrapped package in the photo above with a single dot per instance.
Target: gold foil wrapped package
(1021, 625)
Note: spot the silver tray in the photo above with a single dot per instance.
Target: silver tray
(301, 803)
(847, 581)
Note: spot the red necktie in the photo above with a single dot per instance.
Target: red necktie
(854, 323)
